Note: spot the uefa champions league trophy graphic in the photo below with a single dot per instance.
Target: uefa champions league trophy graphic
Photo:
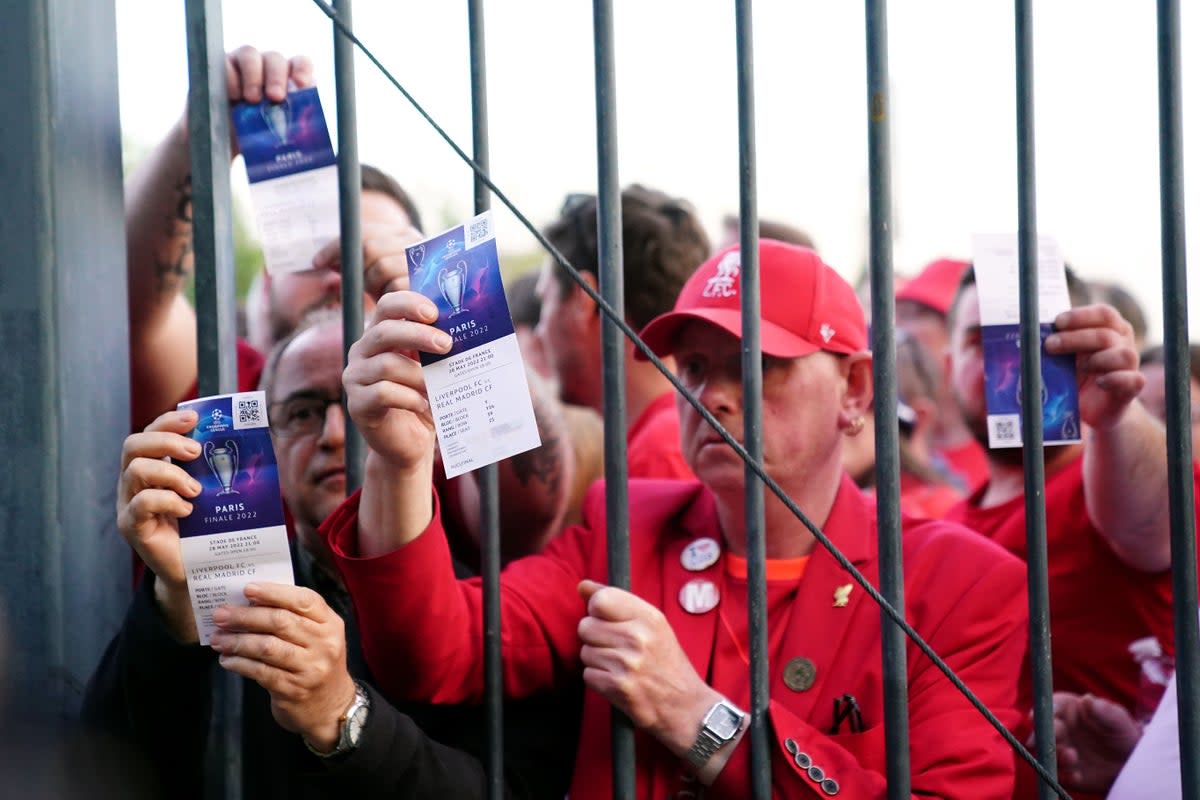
(278, 117)
(223, 461)
(453, 283)
(416, 254)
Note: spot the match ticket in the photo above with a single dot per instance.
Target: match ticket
(478, 391)
(235, 534)
(293, 177)
(997, 276)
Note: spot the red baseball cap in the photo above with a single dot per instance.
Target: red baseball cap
(935, 285)
(806, 306)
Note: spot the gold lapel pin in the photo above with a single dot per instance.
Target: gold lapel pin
(841, 595)
(799, 674)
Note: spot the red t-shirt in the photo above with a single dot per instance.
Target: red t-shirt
(652, 444)
(1098, 604)
(968, 463)
(926, 500)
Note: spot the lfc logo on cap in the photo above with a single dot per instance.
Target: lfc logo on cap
(699, 596)
(827, 332)
(728, 269)
(700, 554)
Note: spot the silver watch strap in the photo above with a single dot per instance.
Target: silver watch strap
(361, 700)
(703, 748)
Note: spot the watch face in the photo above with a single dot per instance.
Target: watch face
(354, 725)
(723, 721)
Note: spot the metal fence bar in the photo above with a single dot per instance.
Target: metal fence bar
(756, 546)
(1031, 405)
(350, 224)
(612, 342)
(208, 135)
(1175, 351)
(488, 477)
(212, 224)
(887, 431)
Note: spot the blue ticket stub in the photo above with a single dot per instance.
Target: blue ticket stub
(293, 177)
(478, 391)
(997, 277)
(280, 139)
(1002, 382)
(236, 468)
(459, 270)
(236, 532)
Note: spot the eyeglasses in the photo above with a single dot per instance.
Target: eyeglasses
(302, 414)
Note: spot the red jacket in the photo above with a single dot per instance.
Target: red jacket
(422, 636)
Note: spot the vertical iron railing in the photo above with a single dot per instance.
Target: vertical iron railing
(1031, 402)
(756, 546)
(612, 343)
(887, 430)
(350, 223)
(208, 137)
(1176, 357)
(489, 487)
(216, 306)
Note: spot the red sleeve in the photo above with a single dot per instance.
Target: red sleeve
(954, 752)
(422, 630)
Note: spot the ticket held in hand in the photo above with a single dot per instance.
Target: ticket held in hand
(478, 391)
(997, 276)
(293, 177)
(236, 533)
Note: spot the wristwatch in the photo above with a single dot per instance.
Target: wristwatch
(351, 723)
(722, 722)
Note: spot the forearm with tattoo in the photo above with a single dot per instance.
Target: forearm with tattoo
(175, 259)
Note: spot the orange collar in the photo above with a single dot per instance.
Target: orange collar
(778, 569)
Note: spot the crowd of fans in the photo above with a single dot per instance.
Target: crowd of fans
(386, 613)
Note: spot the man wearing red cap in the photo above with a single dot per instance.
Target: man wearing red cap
(922, 305)
(1107, 511)
(672, 654)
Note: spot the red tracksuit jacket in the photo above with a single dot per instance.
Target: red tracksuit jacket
(422, 635)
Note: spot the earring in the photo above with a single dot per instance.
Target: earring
(856, 426)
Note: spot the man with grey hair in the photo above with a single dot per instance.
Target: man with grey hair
(312, 725)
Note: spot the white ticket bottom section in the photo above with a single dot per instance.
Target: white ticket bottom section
(481, 406)
(297, 216)
(219, 566)
(1004, 430)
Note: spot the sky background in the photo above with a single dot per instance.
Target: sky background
(952, 104)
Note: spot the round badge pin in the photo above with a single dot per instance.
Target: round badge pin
(700, 554)
(799, 674)
(699, 596)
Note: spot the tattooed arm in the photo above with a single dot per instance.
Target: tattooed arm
(534, 485)
(158, 240)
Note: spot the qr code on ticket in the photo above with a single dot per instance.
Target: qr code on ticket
(1004, 430)
(479, 230)
(248, 411)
